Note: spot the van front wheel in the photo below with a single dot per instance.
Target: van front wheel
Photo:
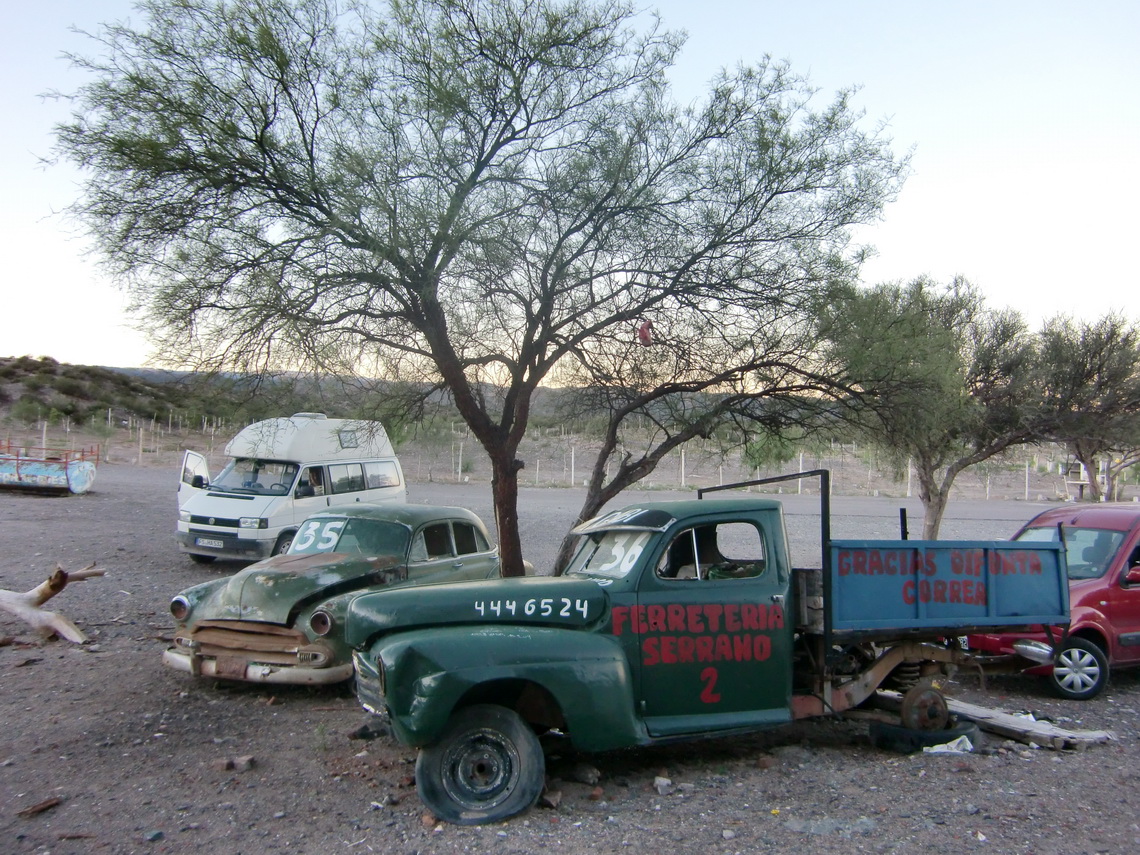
(283, 543)
(487, 766)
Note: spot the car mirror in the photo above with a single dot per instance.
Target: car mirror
(1132, 575)
(198, 482)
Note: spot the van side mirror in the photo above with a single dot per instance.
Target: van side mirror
(198, 482)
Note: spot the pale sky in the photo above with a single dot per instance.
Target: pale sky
(1024, 118)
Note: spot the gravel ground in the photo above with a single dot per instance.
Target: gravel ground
(136, 753)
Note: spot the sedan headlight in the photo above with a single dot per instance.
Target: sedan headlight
(253, 522)
(321, 622)
(180, 607)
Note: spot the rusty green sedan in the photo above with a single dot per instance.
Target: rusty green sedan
(260, 626)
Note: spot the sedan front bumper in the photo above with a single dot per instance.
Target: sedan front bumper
(255, 672)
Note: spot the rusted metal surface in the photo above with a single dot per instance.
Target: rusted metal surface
(64, 470)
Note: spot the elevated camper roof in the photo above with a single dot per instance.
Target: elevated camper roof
(311, 438)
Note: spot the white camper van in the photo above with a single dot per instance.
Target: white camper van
(281, 471)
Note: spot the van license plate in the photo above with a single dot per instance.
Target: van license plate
(205, 541)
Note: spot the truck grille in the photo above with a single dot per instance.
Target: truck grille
(253, 642)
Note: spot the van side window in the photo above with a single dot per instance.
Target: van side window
(381, 473)
(468, 539)
(346, 477)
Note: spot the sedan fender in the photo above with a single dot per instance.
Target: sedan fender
(427, 674)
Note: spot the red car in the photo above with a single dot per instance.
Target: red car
(1102, 544)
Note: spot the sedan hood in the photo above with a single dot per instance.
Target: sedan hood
(273, 590)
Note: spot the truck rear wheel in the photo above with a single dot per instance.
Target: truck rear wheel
(1080, 670)
(487, 766)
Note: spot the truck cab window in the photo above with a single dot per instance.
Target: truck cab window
(733, 550)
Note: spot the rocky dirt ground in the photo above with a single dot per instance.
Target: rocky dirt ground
(136, 758)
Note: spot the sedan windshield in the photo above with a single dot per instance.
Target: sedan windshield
(1088, 551)
(347, 534)
(256, 477)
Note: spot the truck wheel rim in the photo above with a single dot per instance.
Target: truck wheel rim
(479, 771)
(1076, 670)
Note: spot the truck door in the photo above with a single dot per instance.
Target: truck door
(195, 476)
(714, 640)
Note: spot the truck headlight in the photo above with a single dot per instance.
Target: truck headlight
(253, 522)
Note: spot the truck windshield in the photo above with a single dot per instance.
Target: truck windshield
(256, 477)
(1088, 551)
(344, 534)
(611, 553)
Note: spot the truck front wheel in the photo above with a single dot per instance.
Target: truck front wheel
(487, 766)
(1080, 670)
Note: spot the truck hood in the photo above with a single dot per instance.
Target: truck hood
(273, 590)
(575, 603)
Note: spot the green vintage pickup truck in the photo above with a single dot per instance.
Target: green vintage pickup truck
(676, 620)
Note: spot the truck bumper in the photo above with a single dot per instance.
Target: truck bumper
(256, 672)
(369, 690)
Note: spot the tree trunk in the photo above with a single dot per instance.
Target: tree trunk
(934, 497)
(1093, 471)
(505, 492)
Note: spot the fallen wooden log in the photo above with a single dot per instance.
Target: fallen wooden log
(27, 605)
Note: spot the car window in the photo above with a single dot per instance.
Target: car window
(1088, 551)
(381, 473)
(346, 477)
(712, 552)
(611, 553)
(433, 541)
(468, 539)
(338, 534)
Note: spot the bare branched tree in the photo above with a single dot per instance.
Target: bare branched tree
(467, 193)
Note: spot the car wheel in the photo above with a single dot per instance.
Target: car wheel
(909, 740)
(283, 543)
(487, 766)
(202, 559)
(1080, 670)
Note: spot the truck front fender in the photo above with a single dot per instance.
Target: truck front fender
(429, 673)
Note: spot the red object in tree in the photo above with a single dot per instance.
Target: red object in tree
(645, 334)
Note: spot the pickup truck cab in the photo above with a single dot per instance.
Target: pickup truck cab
(674, 620)
(1102, 543)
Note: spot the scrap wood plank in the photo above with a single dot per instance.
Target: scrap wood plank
(1043, 733)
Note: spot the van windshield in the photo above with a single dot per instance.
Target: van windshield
(256, 477)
